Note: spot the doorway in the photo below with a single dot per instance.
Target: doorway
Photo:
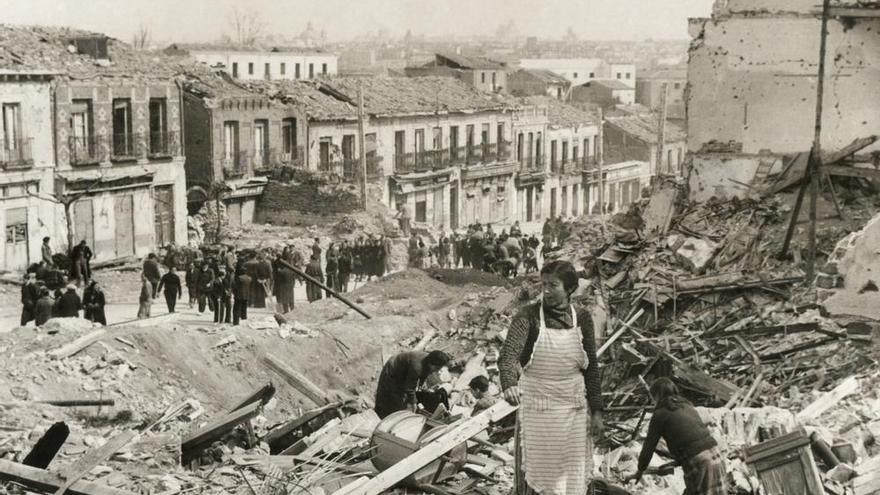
(124, 215)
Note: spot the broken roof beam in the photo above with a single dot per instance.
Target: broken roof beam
(44, 481)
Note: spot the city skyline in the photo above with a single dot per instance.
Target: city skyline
(343, 20)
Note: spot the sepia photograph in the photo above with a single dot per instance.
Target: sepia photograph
(485, 247)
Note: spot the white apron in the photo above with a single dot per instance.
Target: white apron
(553, 417)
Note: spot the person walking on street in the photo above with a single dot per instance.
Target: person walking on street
(30, 294)
(313, 269)
(205, 283)
(191, 286)
(93, 303)
(80, 257)
(332, 268)
(223, 297)
(151, 271)
(171, 283)
(345, 266)
(69, 304)
(44, 306)
(146, 298)
(46, 251)
(284, 286)
(241, 289)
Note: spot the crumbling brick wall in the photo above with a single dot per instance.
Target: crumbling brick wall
(305, 203)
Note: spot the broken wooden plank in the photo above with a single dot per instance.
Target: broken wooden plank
(845, 171)
(432, 451)
(47, 446)
(264, 394)
(44, 481)
(217, 429)
(816, 408)
(721, 389)
(94, 457)
(623, 328)
(766, 331)
(294, 424)
(77, 345)
(297, 380)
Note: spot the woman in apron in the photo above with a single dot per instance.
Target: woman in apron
(555, 347)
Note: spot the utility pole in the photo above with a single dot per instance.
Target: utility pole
(661, 133)
(815, 163)
(363, 147)
(600, 160)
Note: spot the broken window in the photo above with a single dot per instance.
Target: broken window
(159, 138)
(261, 143)
(123, 140)
(230, 144)
(288, 139)
(82, 146)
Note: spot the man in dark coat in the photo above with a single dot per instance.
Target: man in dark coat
(30, 293)
(332, 268)
(152, 272)
(262, 275)
(222, 294)
(284, 284)
(313, 269)
(345, 266)
(43, 308)
(205, 284)
(93, 303)
(69, 304)
(171, 283)
(241, 289)
(80, 257)
(402, 375)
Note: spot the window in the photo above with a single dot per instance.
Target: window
(619, 75)
(123, 140)
(586, 148)
(399, 149)
(669, 161)
(531, 154)
(574, 200)
(348, 155)
(82, 146)
(437, 138)
(553, 155)
(453, 141)
(421, 206)
(311, 71)
(266, 71)
(371, 150)
(469, 135)
(234, 69)
(159, 138)
(419, 145)
(574, 153)
(677, 85)
(288, 139)
(564, 153)
(493, 80)
(575, 75)
(539, 151)
(483, 77)
(12, 139)
(261, 143)
(283, 68)
(296, 71)
(520, 139)
(323, 68)
(592, 75)
(484, 134)
(499, 134)
(251, 68)
(230, 144)
(628, 75)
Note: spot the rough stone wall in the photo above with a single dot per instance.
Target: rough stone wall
(752, 77)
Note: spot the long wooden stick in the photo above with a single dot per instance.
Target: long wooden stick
(328, 289)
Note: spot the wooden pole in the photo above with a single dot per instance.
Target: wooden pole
(815, 163)
(362, 138)
(328, 289)
(600, 152)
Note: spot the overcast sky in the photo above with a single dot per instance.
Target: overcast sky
(207, 20)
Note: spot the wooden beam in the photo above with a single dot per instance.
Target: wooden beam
(432, 451)
(847, 387)
(292, 425)
(44, 481)
(77, 345)
(323, 286)
(94, 457)
(845, 171)
(297, 380)
(765, 331)
(217, 428)
(264, 394)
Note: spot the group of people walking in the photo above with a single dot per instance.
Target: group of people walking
(359, 260)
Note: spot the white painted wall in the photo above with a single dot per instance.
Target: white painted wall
(274, 59)
(568, 67)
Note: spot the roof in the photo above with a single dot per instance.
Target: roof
(317, 104)
(545, 76)
(644, 127)
(212, 86)
(562, 114)
(665, 74)
(612, 84)
(50, 49)
(465, 62)
(176, 48)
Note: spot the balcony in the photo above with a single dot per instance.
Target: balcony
(85, 151)
(164, 144)
(124, 146)
(16, 155)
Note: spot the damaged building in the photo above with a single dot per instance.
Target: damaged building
(752, 76)
(92, 146)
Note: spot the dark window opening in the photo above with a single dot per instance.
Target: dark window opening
(160, 140)
(123, 139)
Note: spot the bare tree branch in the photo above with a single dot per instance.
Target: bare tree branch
(141, 38)
(247, 27)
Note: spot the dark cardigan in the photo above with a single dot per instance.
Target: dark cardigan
(522, 335)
